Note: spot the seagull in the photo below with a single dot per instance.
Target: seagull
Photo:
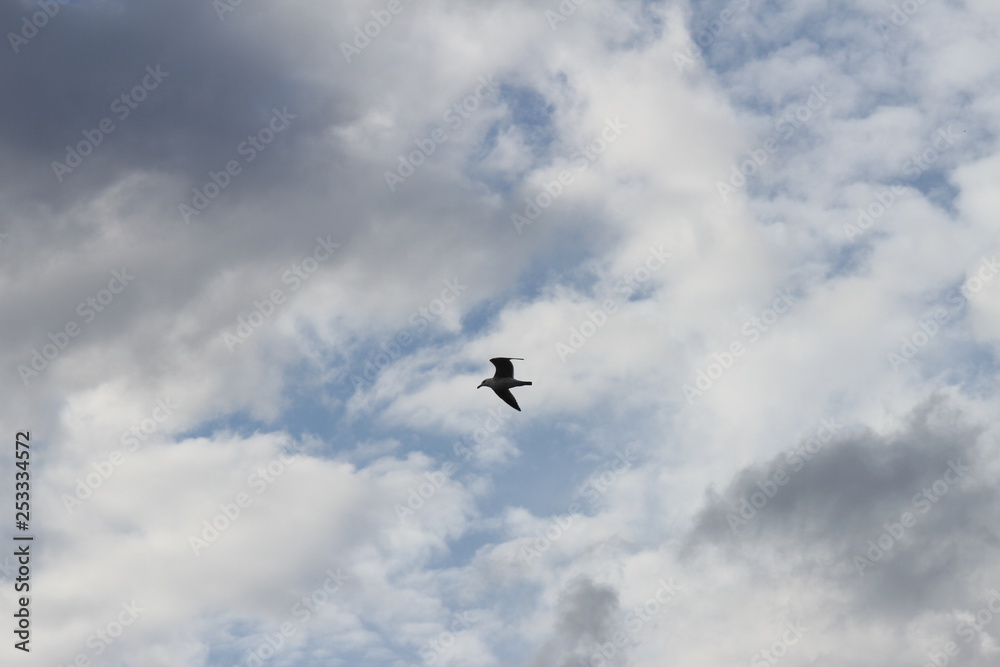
(503, 380)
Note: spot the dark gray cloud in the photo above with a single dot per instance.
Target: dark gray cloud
(899, 524)
(219, 81)
(216, 83)
(586, 616)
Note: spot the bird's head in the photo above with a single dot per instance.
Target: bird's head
(482, 384)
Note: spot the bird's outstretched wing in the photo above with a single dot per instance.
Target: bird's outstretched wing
(505, 369)
(507, 397)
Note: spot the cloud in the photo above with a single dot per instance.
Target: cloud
(893, 525)
(584, 618)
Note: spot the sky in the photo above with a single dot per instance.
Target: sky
(255, 258)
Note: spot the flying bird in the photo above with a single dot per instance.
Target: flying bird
(503, 380)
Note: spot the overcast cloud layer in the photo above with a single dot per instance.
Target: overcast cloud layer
(255, 257)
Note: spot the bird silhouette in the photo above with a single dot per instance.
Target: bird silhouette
(503, 380)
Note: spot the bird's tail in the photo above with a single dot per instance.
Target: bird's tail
(522, 383)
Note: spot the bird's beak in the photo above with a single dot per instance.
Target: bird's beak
(480, 385)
